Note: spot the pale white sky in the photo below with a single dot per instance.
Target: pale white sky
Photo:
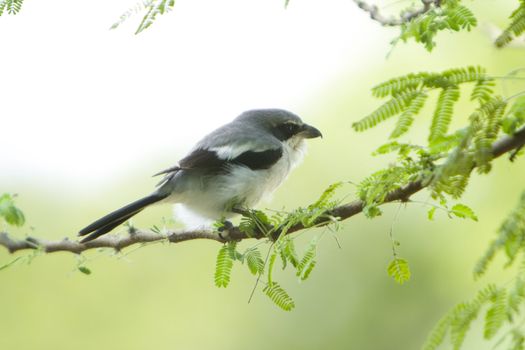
(83, 103)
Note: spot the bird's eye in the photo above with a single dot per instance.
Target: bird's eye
(291, 128)
(285, 131)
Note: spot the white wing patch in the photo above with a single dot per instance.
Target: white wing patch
(233, 151)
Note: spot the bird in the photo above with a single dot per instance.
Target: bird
(234, 166)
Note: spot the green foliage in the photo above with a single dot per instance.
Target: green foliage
(458, 320)
(450, 15)
(286, 249)
(398, 104)
(437, 335)
(518, 340)
(483, 90)
(307, 263)
(282, 246)
(399, 270)
(254, 261)
(503, 303)
(224, 264)
(496, 314)
(515, 117)
(9, 212)
(157, 7)
(11, 6)
(271, 264)
(463, 211)
(256, 220)
(407, 117)
(515, 28)
(443, 113)
(139, 7)
(516, 297)
(486, 124)
(373, 190)
(510, 240)
(84, 270)
(446, 163)
(153, 8)
(279, 296)
(408, 95)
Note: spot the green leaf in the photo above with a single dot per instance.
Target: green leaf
(464, 212)
(407, 117)
(84, 270)
(157, 7)
(496, 314)
(9, 212)
(279, 296)
(271, 263)
(254, 261)
(515, 28)
(11, 6)
(437, 335)
(399, 270)
(443, 113)
(431, 213)
(398, 104)
(223, 267)
(288, 252)
(307, 263)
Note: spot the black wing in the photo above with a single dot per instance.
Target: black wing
(259, 160)
(209, 161)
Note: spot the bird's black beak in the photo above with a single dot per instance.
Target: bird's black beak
(309, 132)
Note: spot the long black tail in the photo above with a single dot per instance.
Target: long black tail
(112, 220)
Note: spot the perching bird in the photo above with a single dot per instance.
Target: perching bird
(233, 167)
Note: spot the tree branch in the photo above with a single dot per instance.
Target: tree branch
(405, 17)
(135, 236)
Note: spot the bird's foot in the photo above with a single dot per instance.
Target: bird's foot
(224, 230)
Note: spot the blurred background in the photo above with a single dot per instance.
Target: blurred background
(89, 114)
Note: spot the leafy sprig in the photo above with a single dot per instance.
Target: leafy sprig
(515, 28)
(449, 15)
(12, 7)
(281, 245)
(9, 212)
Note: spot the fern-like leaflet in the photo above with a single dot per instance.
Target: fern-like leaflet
(224, 265)
(157, 7)
(510, 240)
(254, 261)
(515, 28)
(443, 113)
(407, 117)
(399, 270)
(307, 263)
(279, 296)
(399, 103)
(447, 15)
(11, 6)
(496, 314)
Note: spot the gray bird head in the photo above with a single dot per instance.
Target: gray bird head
(280, 123)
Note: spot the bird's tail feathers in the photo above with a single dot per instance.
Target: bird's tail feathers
(113, 219)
